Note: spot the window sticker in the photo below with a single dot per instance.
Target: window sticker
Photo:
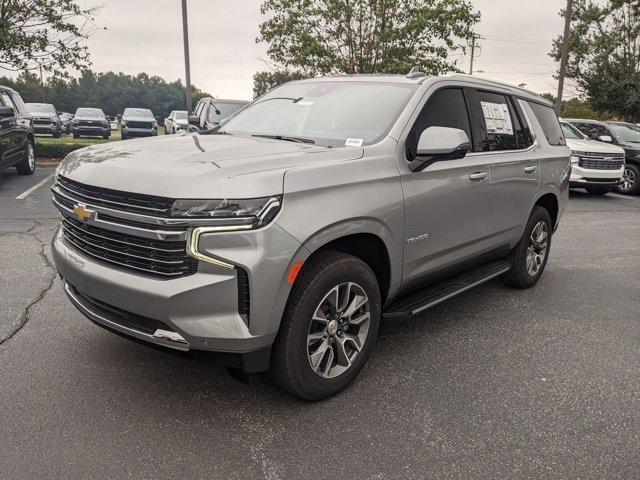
(353, 142)
(497, 118)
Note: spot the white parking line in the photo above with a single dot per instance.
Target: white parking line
(29, 191)
(627, 197)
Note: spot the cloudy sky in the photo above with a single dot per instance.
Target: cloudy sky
(146, 35)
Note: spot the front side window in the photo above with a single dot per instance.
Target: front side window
(6, 99)
(332, 113)
(445, 108)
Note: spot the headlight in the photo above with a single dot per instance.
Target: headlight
(254, 211)
(575, 159)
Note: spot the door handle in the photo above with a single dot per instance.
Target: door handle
(530, 169)
(478, 176)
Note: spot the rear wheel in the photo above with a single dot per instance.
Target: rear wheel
(630, 180)
(28, 164)
(530, 256)
(329, 326)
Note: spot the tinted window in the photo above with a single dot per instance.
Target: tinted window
(571, 132)
(592, 130)
(6, 99)
(624, 133)
(445, 108)
(548, 120)
(499, 123)
(225, 109)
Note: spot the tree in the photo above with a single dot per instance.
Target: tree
(604, 55)
(319, 37)
(265, 81)
(110, 91)
(47, 34)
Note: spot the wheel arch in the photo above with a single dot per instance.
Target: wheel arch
(549, 201)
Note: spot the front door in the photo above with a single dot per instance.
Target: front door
(447, 205)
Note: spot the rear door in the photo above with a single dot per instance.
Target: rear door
(513, 162)
(446, 204)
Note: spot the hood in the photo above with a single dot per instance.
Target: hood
(196, 166)
(182, 122)
(138, 119)
(592, 146)
(635, 146)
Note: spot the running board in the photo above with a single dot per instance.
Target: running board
(442, 291)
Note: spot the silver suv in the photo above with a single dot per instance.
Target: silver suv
(279, 240)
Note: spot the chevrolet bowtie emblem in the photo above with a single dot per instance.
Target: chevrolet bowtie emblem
(82, 212)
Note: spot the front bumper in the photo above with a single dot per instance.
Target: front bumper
(583, 177)
(46, 129)
(140, 132)
(92, 131)
(202, 308)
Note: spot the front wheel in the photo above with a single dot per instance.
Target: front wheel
(630, 180)
(530, 256)
(28, 164)
(329, 326)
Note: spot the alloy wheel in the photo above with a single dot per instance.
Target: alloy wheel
(338, 329)
(537, 249)
(628, 180)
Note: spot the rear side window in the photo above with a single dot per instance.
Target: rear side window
(445, 108)
(548, 120)
(500, 124)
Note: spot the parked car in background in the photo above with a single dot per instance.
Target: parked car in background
(209, 112)
(622, 136)
(138, 122)
(45, 119)
(90, 122)
(329, 203)
(16, 133)
(65, 121)
(178, 120)
(113, 122)
(595, 166)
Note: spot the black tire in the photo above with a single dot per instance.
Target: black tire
(28, 163)
(290, 367)
(123, 137)
(597, 190)
(632, 173)
(519, 276)
(75, 135)
(57, 134)
(105, 136)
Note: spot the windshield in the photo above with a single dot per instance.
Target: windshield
(328, 113)
(41, 108)
(90, 112)
(225, 109)
(181, 115)
(137, 112)
(571, 132)
(625, 133)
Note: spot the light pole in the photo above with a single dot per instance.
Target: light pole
(564, 54)
(185, 34)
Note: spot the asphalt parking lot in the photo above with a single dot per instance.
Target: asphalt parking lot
(495, 383)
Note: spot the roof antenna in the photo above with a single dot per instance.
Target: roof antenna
(415, 73)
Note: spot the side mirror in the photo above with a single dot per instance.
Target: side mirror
(6, 112)
(605, 138)
(440, 143)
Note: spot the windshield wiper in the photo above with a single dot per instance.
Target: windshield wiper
(285, 138)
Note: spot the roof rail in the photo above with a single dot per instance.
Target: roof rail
(415, 73)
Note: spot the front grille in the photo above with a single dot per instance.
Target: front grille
(158, 258)
(131, 124)
(89, 123)
(42, 121)
(116, 199)
(600, 163)
(119, 316)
